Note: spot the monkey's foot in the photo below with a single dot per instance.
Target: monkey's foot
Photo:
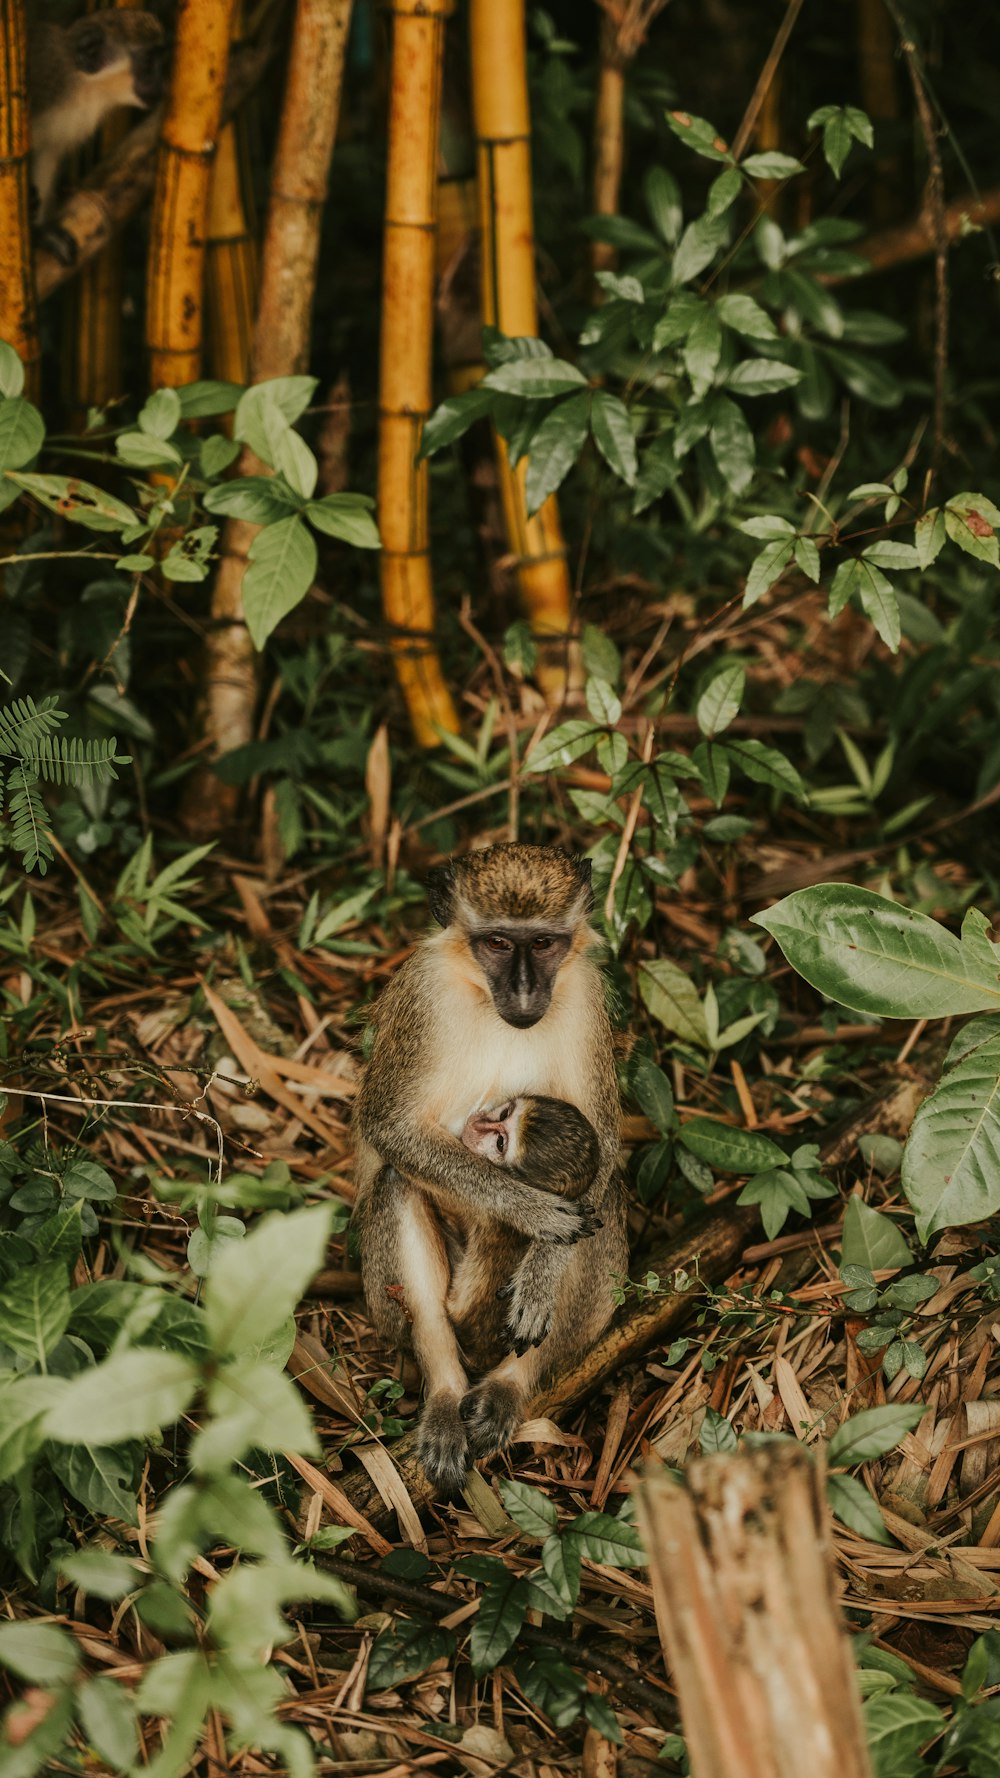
(443, 1445)
(529, 1314)
(58, 241)
(492, 1413)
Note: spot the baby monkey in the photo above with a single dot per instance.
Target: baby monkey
(547, 1142)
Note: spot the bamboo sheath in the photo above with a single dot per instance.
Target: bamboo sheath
(93, 317)
(174, 306)
(280, 347)
(503, 134)
(405, 362)
(18, 313)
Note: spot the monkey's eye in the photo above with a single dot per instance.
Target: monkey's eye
(501, 1143)
(497, 942)
(543, 942)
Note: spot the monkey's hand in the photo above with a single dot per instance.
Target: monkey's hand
(557, 1219)
(531, 1296)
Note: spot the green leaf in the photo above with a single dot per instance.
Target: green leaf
(603, 702)
(698, 246)
(887, 553)
(613, 435)
(653, 1093)
(673, 999)
(699, 134)
(12, 370)
(497, 1622)
(873, 956)
(729, 1149)
(720, 702)
(259, 499)
(771, 165)
(763, 376)
(22, 433)
(561, 1561)
(101, 1574)
(344, 517)
(766, 568)
(867, 378)
(872, 1239)
(746, 316)
(555, 447)
(24, 1402)
(130, 1395)
(34, 1310)
(777, 1192)
(716, 1434)
(732, 444)
(951, 1162)
(529, 1508)
(257, 1283)
(970, 526)
(602, 1538)
(452, 418)
(702, 350)
(107, 1715)
(161, 414)
(282, 568)
(562, 745)
(78, 501)
(929, 536)
(872, 1433)
(657, 472)
(601, 1717)
(724, 191)
(140, 451)
(535, 378)
(207, 398)
(99, 1477)
(879, 602)
(663, 201)
(405, 1652)
(898, 1725)
(765, 765)
(40, 1653)
(850, 1502)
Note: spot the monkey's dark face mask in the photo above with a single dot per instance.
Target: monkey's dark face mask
(520, 963)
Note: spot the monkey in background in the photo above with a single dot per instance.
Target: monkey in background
(77, 75)
(505, 999)
(548, 1143)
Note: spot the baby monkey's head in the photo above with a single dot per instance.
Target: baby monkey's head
(547, 1142)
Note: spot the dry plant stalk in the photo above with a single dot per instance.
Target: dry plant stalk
(280, 348)
(741, 1566)
(180, 202)
(503, 136)
(623, 32)
(18, 315)
(230, 265)
(405, 362)
(94, 317)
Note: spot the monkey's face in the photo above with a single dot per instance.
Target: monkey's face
(492, 1133)
(520, 962)
(124, 54)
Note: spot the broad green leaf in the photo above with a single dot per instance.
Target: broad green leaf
(850, 1502)
(613, 435)
(873, 956)
(251, 1403)
(529, 1508)
(79, 501)
(561, 1561)
(207, 398)
(658, 471)
(732, 444)
(699, 134)
(673, 999)
(130, 1395)
(562, 745)
(281, 569)
(405, 1652)
(101, 1573)
(929, 536)
(160, 415)
(601, 1717)
(716, 1434)
(602, 1538)
(766, 568)
(107, 1715)
(867, 378)
(663, 201)
(288, 396)
(765, 765)
(245, 1606)
(34, 1310)
(497, 1622)
(807, 557)
(970, 529)
(763, 376)
(724, 191)
(872, 1433)
(776, 1191)
(872, 1239)
(22, 433)
(258, 1282)
(975, 1032)
(897, 1725)
(879, 602)
(746, 316)
(698, 246)
(141, 451)
(536, 378)
(720, 701)
(24, 1402)
(99, 1477)
(345, 519)
(729, 1149)
(887, 553)
(653, 1093)
(43, 1654)
(603, 702)
(452, 418)
(771, 165)
(702, 350)
(12, 370)
(259, 499)
(951, 1162)
(555, 447)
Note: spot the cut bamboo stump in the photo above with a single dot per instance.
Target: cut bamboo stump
(746, 1607)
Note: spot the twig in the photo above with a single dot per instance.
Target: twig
(766, 76)
(406, 1592)
(629, 828)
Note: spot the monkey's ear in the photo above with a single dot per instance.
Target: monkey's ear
(89, 48)
(440, 886)
(582, 872)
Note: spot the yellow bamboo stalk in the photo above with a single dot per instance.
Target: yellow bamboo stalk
(405, 362)
(609, 139)
(93, 354)
(503, 132)
(231, 265)
(280, 348)
(180, 204)
(18, 314)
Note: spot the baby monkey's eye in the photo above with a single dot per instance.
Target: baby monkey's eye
(497, 942)
(501, 1143)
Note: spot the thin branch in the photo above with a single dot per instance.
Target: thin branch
(767, 74)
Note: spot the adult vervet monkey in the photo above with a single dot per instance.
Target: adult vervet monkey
(77, 75)
(505, 1001)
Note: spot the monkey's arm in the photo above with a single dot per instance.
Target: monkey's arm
(449, 1171)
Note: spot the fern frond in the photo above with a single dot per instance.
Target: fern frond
(61, 759)
(23, 724)
(31, 830)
